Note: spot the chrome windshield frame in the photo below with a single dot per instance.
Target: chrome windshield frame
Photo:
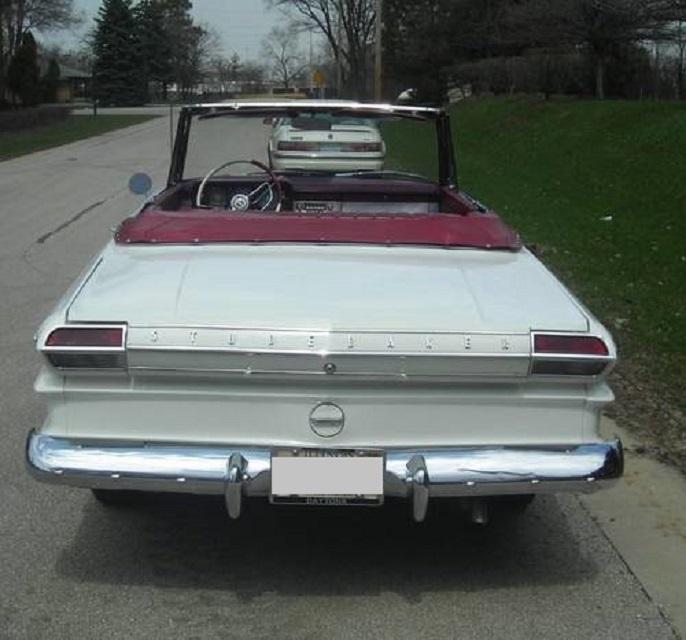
(447, 173)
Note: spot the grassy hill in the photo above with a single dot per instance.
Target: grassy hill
(601, 188)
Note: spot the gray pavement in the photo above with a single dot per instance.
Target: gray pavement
(177, 568)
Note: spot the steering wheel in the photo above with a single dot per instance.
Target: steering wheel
(254, 199)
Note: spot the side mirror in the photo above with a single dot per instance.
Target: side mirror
(140, 184)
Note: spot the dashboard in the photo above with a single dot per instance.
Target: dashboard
(316, 196)
(360, 206)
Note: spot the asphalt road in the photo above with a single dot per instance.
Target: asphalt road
(70, 568)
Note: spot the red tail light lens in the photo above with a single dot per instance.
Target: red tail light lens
(358, 147)
(298, 146)
(87, 338)
(569, 355)
(570, 345)
(89, 348)
(363, 147)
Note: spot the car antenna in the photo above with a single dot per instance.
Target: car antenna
(171, 128)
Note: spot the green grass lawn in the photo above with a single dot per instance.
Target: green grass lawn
(13, 145)
(556, 171)
(601, 188)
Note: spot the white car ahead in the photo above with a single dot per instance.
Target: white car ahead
(321, 142)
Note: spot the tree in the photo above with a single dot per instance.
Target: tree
(416, 48)
(348, 27)
(601, 26)
(20, 16)
(23, 75)
(676, 35)
(193, 58)
(118, 60)
(429, 43)
(424, 40)
(251, 76)
(226, 70)
(50, 81)
(17, 17)
(155, 44)
(234, 67)
(192, 45)
(281, 48)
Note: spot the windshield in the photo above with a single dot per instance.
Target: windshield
(314, 143)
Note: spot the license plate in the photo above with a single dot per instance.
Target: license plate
(325, 477)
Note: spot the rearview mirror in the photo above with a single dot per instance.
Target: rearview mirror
(140, 184)
(269, 120)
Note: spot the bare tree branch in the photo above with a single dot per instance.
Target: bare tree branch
(281, 47)
(348, 27)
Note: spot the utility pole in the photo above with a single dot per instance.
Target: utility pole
(339, 59)
(378, 50)
(311, 74)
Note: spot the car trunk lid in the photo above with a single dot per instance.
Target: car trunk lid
(298, 308)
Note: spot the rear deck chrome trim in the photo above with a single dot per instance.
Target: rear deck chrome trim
(237, 471)
(234, 340)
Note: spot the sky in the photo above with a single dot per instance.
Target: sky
(240, 24)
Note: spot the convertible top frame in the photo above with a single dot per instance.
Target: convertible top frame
(447, 170)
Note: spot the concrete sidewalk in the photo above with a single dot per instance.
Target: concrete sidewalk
(644, 516)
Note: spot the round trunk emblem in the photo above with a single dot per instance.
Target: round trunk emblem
(327, 419)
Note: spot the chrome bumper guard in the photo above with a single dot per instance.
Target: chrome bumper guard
(238, 471)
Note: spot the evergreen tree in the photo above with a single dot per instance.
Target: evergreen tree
(23, 75)
(50, 81)
(155, 43)
(118, 59)
(186, 38)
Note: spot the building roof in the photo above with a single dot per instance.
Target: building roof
(67, 73)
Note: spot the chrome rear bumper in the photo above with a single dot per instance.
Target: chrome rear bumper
(238, 471)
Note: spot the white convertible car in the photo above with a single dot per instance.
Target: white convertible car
(320, 141)
(321, 337)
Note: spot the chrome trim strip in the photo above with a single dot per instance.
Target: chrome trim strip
(322, 105)
(409, 473)
(342, 331)
(327, 343)
(570, 357)
(360, 375)
(324, 353)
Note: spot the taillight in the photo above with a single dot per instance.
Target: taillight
(298, 146)
(362, 147)
(569, 355)
(86, 337)
(87, 347)
(348, 147)
(570, 345)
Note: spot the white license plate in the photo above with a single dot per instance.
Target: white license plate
(326, 477)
